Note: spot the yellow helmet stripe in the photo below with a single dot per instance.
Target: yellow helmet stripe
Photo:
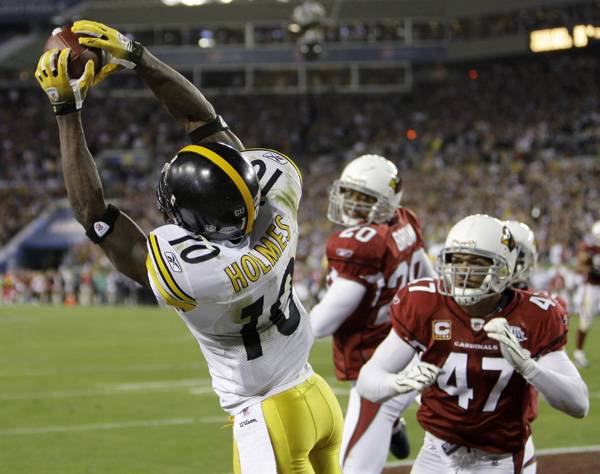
(165, 273)
(233, 175)
(166, 296)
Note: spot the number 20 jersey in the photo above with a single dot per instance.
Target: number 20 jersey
(478, 400)
(237, 300)
(381, 257)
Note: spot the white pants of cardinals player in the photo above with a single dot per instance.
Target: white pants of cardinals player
(367, 432)
(590, 305)
(432, 459)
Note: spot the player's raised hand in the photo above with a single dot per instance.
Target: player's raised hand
(510, 348)
(65, 94)
(120, 51)
(416, 378)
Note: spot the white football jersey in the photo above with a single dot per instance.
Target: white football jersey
(238, 300)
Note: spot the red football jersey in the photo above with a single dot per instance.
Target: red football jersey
(379, 257)
(478, 399)
(593, 259)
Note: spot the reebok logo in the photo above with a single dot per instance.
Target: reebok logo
(344, 253)
(248, 422)
(275, 157)
(173, 262)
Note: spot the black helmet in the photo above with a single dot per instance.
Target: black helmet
(210, 189)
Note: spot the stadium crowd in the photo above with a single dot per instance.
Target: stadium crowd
(423, 29)
(513, 139)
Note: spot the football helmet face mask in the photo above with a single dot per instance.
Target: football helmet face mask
(527, 254)
(368, 191)
(477, 261)
(211, 190)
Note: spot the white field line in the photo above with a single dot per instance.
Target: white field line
(113, 426)
(98, 370)
(539, 452)
(198, 387)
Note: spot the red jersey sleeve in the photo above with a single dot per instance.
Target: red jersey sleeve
(411, 312)
(549, 332)
(356, 253)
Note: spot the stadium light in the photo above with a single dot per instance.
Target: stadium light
(553, 39)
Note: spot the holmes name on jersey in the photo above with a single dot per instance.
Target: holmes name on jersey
(263, 256)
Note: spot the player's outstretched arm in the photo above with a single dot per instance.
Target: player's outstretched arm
(122, 241)
(178, 95)
(125, 246)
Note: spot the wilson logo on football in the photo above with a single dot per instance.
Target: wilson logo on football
(442, 330)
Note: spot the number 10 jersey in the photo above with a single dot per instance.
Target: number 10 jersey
(237, 299)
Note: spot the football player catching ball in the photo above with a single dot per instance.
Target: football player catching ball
(224, 262)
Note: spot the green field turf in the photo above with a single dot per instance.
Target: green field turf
(125, 390)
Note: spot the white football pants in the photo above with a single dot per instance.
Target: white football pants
(590, 305)
(367, 432)
(433, 460)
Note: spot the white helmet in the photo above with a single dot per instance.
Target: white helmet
(596, 233)
(481, 236)
(527, 254)
(374, 176)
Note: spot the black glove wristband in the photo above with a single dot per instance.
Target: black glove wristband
(103, 226)
(136, 52)
(64, 108)
(208, 129)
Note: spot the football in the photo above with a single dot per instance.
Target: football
(62, 37)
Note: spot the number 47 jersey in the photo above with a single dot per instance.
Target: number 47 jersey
(237, 299)
(478, 399)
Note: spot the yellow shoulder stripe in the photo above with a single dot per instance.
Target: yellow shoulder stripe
(233, 175)
(165, 272)
(166, 296)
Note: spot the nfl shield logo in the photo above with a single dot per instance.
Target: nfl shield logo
(477, 324)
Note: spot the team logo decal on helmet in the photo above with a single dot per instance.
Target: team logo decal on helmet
(508, 239)
(210, 190)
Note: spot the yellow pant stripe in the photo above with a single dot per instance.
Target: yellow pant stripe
(165, 273)
(233, 175)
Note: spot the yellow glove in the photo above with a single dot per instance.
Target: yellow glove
(119, 51)
(66, 95)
